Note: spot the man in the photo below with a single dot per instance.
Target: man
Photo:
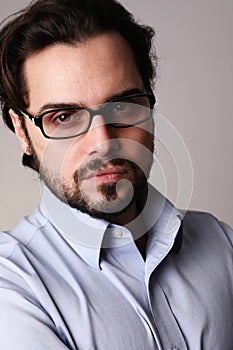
(105, 261)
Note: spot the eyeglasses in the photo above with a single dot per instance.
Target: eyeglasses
(72, 121)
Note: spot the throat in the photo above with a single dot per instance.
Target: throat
(127, 217)
(141, 245)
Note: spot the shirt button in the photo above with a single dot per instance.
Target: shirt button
(117, 233)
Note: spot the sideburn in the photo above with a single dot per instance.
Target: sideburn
(31, 161)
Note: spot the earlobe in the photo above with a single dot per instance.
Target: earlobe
(19, 131)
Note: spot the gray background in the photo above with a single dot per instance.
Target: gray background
(194, 88)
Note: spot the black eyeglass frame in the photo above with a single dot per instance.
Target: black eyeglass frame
(37, 119)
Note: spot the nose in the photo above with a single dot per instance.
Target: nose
(102, 137)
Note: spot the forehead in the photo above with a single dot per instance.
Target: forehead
(86, 73)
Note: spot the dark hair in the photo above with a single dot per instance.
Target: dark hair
(46, 22)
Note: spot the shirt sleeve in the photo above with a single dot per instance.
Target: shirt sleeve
(24, 325)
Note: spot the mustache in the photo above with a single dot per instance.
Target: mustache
(99, 163)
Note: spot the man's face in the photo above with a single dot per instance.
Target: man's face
(102, 171)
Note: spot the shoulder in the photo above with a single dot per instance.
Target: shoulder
(23, 233)
(205, 227)
(14, 252)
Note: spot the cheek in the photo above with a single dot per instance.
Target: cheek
(60, 158)
(144, 137)
(71, 156)
(148, 135)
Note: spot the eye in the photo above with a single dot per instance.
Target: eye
(121, 108)
(64, 117)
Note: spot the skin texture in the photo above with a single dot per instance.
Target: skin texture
(87, 171)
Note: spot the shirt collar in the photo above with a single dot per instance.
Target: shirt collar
(88, 235)
(72, 224)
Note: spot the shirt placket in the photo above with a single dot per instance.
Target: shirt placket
(168, 332)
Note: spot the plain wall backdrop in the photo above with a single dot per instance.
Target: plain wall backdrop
(194, 88)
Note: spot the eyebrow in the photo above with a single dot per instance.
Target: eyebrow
(64, 105)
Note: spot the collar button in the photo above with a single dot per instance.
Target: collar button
(117, 233)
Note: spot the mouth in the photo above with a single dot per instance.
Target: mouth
(109, 174)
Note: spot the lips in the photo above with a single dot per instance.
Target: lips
(111, 173)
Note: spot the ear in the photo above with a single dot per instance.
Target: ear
(19, 131)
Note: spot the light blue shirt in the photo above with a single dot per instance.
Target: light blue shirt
(68, 281)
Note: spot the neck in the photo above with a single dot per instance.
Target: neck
(126, 217)
(134, 209)
(141, 245)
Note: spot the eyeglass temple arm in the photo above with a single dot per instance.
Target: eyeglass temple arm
(31, 117)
